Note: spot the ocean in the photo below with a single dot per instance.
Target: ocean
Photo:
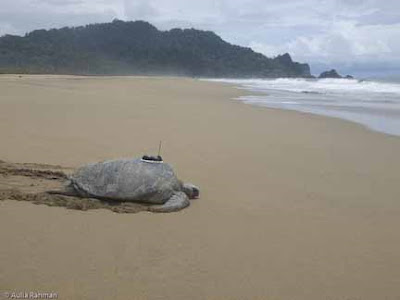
(372, 103)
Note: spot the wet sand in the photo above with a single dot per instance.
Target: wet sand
(293, 206)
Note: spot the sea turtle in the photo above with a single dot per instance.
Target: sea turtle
(147, 180)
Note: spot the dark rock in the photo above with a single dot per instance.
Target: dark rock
(330, 74)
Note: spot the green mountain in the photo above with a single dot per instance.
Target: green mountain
(122, 48)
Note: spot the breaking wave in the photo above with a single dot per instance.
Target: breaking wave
(371, 103)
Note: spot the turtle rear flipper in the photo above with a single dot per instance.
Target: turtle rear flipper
(68, 190)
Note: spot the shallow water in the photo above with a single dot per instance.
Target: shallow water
(373, 103)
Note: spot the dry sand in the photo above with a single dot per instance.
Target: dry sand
(293, 206)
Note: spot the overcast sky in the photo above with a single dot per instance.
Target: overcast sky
(354, 36)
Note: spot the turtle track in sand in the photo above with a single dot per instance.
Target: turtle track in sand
(31, 182)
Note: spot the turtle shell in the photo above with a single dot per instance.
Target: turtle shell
(127, 180)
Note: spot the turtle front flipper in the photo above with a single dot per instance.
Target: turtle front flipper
(178, 201)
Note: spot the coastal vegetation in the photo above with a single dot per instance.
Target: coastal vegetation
(133, 48)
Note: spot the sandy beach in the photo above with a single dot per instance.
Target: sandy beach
(293, 206)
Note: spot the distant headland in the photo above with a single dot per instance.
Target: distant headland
(138, 48)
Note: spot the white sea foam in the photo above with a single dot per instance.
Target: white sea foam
(371, 103)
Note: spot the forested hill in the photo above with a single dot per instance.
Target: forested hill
(121, 48)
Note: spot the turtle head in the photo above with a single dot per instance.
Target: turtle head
(192, 191)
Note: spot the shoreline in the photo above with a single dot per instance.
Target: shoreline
(292, 206)
(246, 93)
(358, 115)
(239, 93)
(312, 114)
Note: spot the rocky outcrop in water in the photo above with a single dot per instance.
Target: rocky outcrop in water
(329, 74)
(333, 74)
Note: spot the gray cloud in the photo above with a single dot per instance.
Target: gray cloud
(358, 34)
(60, 2)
